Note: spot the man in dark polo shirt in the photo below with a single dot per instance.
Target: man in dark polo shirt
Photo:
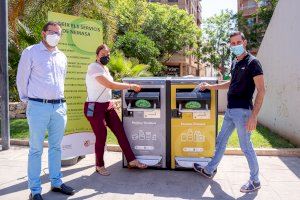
(246, 75)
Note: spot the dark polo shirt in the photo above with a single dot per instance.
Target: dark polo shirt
(242, 85)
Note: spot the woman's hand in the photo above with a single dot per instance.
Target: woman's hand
(135, 87)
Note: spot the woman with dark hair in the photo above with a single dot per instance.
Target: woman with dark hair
(100, 112)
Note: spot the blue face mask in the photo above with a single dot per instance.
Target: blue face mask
(237, 50)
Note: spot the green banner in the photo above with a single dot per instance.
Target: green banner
(79, 41)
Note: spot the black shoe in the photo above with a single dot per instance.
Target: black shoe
(250, 186)
(198, 168)
(35, 197)
(64, 189)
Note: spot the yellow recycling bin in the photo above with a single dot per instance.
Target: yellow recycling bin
(193, 122)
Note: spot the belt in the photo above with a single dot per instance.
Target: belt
(53, 101)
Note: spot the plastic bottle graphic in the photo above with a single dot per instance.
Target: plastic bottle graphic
(141, 135)
(148, 135)
(190, 135)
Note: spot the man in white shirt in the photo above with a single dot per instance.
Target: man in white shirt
(40, 81)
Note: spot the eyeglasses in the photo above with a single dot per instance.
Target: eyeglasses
(53, 32)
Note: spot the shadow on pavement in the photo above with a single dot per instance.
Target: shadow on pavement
(159, 183)
(292, 163)
(44, 178)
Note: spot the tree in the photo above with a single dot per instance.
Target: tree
(256, 31)
(251, 32)
(131, 15)
(171, 28)
(137, 45)
(265, 11)
(212, 47)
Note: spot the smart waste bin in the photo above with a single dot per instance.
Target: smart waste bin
(145, 121)
(193, 122)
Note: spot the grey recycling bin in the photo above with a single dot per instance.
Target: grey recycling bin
(146, 127)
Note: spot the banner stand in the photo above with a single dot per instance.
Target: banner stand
(79, 41)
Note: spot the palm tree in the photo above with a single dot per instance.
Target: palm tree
(121, 67)
(17, 41)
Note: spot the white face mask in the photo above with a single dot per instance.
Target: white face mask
(52, 40)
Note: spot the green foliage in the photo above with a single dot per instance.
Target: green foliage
(121, 67)
(36, 13)
(150, 33)
(164, 29)
(171, 28)
(251, 33)
(212, 44)
(25, 38)
(137, 45)
(255, 33)
(262, 137)
(131, 15)
(265, 11)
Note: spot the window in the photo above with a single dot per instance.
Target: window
(172, 0)
(249, 4)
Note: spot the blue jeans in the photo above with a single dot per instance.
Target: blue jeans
(42, 117)
(235, 118)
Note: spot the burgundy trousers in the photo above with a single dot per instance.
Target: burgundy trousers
(105, 115)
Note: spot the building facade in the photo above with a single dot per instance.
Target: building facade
(178, 64)
(247, 7)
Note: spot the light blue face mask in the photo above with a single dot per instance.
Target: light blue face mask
(237, 50)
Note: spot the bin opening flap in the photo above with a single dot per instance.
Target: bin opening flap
(150, 160)
(151, 96)
(192, 96)
(184, 162)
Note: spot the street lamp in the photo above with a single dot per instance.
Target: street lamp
(5, 135)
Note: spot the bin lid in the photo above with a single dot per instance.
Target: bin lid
(145, 80)
(193, 80)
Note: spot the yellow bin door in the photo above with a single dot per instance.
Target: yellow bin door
(193, 134)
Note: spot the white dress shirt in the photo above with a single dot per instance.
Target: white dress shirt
(41, 73)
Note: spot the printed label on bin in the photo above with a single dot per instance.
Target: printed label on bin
(191, 135)
(203, 114)
(149, 148)
(191, 149)
(152, 114)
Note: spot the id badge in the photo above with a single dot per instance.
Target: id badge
(90, 109)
